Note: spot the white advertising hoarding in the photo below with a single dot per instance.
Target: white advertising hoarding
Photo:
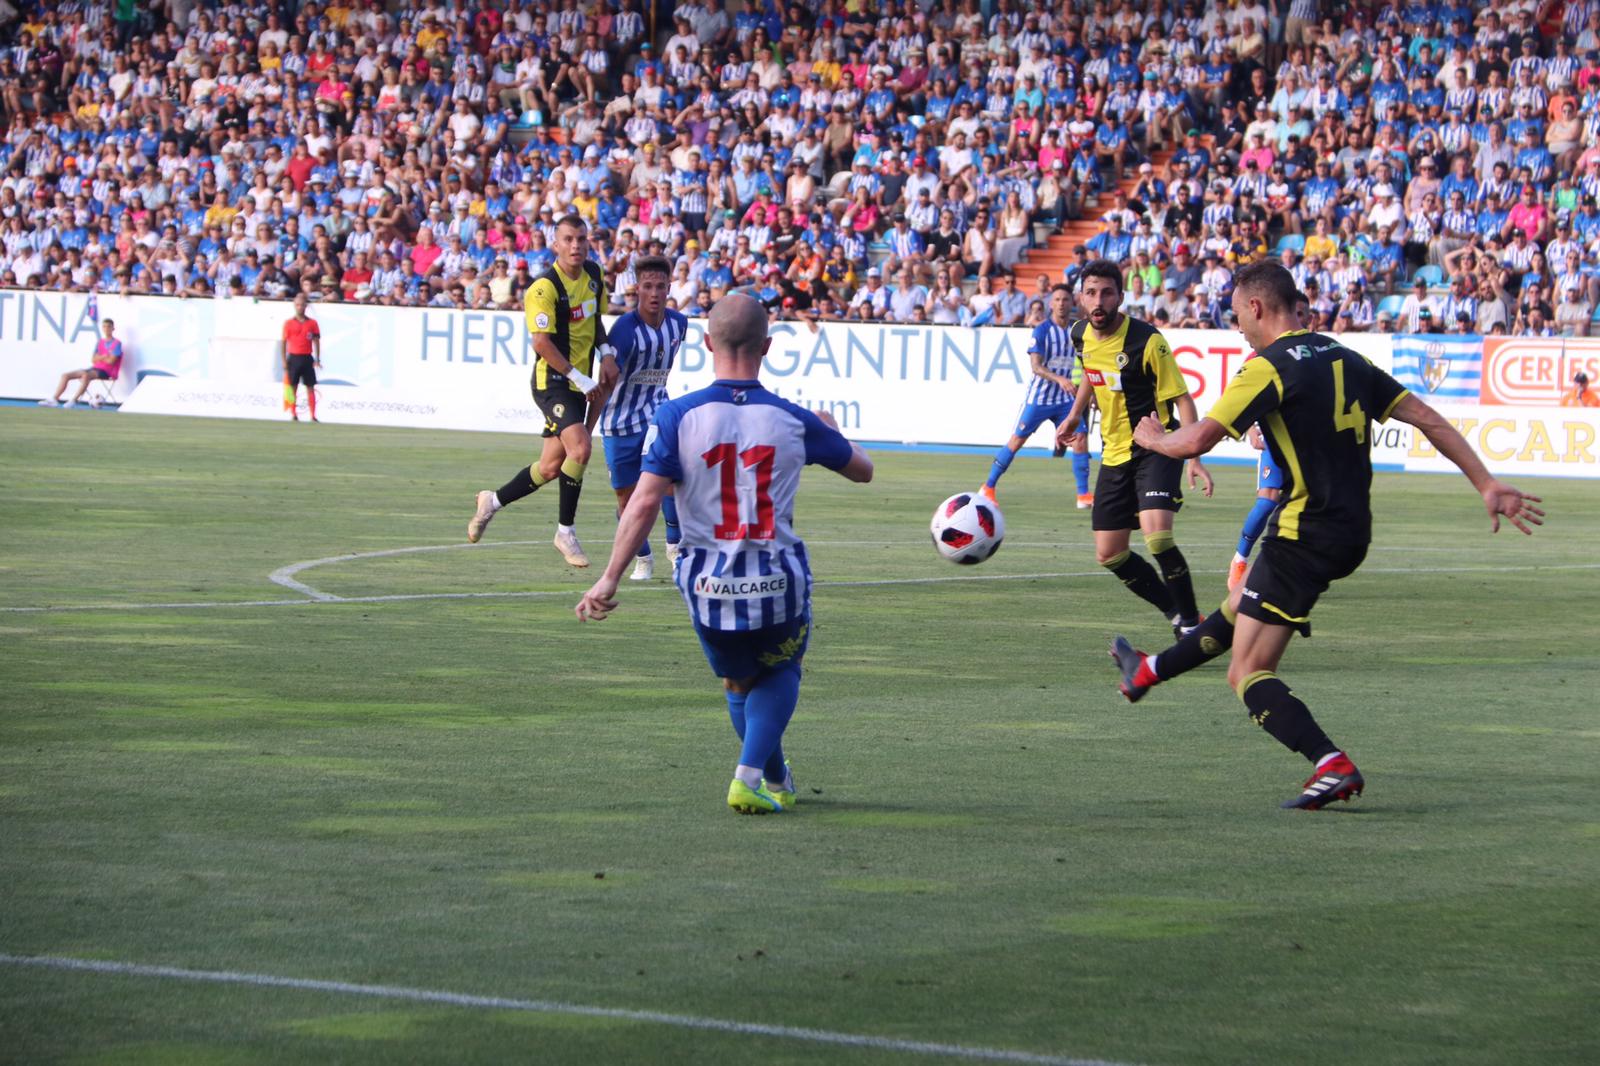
(448, 369)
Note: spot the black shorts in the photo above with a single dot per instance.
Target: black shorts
(1287, 577)
(302, 370)
(96, 374)
(1151, 482)
(561, 407)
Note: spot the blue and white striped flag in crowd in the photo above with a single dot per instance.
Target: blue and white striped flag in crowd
(1445, 366)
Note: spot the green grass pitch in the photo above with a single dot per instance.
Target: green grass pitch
(995, 852)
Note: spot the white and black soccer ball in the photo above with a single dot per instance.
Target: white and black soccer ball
(967, 528)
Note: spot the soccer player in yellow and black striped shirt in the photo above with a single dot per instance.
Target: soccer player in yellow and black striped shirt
(563, 307)
(1315, 400)
(1129, 371)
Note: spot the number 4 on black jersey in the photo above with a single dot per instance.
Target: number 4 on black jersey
(1315, 400)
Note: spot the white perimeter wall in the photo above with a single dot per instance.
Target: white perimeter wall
(447, 369)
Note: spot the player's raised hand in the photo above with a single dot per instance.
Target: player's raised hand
(599, 601)
(1197, 469)
(1518, 507)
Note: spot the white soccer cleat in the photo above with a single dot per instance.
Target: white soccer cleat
(567, 544)
(644, 568)
(480, 520)
(68, 402)
(674, 549)
(49, 402)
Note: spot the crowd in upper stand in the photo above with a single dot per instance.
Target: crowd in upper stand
(1419, 166)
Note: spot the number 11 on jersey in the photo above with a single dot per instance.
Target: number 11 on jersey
(759, 456)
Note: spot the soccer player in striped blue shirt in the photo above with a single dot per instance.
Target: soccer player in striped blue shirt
(1049, 396)
(647, 340)
(733, 453)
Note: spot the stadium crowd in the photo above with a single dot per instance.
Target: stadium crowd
(1419, 165)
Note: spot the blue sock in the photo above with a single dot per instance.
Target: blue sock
(768, 708)
(1002, 460)
(669, 514)
(1080, 470)
(1255, 524)
(736, 710)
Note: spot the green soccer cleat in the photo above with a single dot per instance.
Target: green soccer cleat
(747, 800)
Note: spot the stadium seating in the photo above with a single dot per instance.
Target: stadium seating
(191, 176)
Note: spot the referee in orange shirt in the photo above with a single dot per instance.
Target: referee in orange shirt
(301, 351)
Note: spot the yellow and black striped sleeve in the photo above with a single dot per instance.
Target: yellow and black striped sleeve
(1253, 392)
(1384, 392)
(539, 306)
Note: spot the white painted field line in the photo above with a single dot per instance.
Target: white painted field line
(543, 1006)
(575, 592)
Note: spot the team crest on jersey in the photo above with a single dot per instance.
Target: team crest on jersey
(1435, 366)
(740, 396)
(1122, 360)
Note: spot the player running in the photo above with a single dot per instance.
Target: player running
(1129, 371)
(1315, 400)
(734, 451)
(1269, 479)
(563, 314)
(1049, 395)
(646, 340)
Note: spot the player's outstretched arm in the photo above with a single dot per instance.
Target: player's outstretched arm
(1498, 497)
(632, 528)
(859, 468)
(1186, 442)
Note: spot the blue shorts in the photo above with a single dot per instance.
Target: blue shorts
(1268, 476)
(743, 653)
(1035, 415)
(624, 455)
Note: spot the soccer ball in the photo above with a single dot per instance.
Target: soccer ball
(967, 528)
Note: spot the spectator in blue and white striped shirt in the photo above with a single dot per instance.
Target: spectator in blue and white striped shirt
(647, 340)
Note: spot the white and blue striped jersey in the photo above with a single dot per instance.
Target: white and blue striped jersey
(734, 451)
(1053, 345)
(645, 355)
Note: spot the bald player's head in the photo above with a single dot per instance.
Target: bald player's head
(737, 329)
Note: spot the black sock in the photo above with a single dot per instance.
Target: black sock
(1205, 642)
(518, 487)
(1142, 580)
(1175, 572)
(1274, 708)
(567, 513)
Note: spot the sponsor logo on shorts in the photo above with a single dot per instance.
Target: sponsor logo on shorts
(740, 588)
(559, 409)
(1252, 593)
(1158, 492)
(785, 651)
